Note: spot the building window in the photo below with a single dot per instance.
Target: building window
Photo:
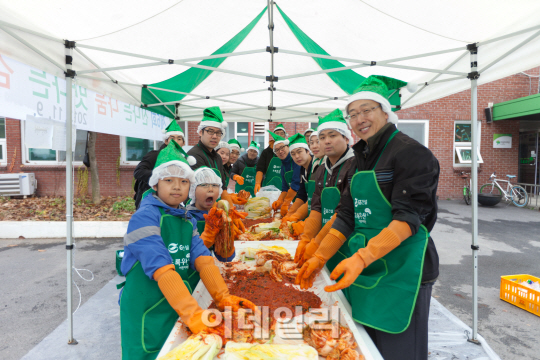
(462, 144)
(132, 150)
(240, 132)
(416, 129)
(54, 157)
(314, 125)
(3, 145)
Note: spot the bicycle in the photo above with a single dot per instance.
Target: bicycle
(514, 193)
(466, 188)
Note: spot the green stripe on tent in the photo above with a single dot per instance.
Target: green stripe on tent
(191, 78)
(347, 80)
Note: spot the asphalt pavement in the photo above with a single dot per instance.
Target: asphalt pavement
(509, 240)
(33, 286)
(33, 279)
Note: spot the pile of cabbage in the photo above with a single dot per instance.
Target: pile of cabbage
(258, 208)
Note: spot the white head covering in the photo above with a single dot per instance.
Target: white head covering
(204, 175)
(223, 144)
(174, 168)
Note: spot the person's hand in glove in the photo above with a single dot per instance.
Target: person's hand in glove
(258, 182)
(214, 283)
(312, 226)
(277, 204)
(287, 202)
(387, 240)
(316, 242)
(214, 223)
(309, 272)
(298, 228)
(177, 294)
(300, 249)
(238, 200)
(350, 269)
(239, 180)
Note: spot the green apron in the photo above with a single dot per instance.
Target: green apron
(288, 176)
(272, 173)
(330, 197)
(216, 170)
(148, 192)
(249, 181)
(200, 226)
(384, 294)
(310, 186)
(146, 318)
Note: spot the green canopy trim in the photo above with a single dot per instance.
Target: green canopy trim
(347, 80)
(193, 77)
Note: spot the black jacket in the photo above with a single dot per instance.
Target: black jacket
(408, 175)
(208, 158)
(304, 178)
(264, 160)
(143, 172)
(241, 164)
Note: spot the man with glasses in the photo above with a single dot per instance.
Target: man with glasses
(144, 169)
(389, 263)
(211, 129)
(289, 174)
(269, 166)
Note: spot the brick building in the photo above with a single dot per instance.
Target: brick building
(434, 124)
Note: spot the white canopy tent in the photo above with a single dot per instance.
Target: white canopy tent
(123, 47)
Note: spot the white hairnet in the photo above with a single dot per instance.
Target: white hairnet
(175, 168)
(204, 175)
(222, 144)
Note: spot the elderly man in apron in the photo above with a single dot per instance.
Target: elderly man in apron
(389, 263)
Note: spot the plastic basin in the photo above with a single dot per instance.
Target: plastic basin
(489, 199)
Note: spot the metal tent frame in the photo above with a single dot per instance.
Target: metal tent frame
(70, 74)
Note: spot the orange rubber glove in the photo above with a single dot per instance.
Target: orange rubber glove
(214, 283)
(212, 228)
(277, 204)
(314, 244)
(312, 225)
(177, 294)
(387, 240)
(287, 202)
(300, 214)
(298, 228)
(258, 181)
(328, 248)
(238, 179)
(237, 200)
(226, 196)
(292, 209)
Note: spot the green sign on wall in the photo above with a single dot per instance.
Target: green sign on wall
(502, 141)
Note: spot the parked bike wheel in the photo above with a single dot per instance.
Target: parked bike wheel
(467, 195)
(520, 198)
(490, 188)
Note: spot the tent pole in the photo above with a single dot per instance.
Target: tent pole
(90, 71)
(473, 76)
(270, 8)
(69, 190)
(482, 43)
(31, 32)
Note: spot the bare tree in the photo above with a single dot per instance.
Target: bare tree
(96, 196)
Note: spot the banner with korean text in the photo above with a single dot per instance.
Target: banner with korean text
(26, 91)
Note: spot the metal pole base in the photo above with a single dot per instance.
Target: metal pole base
(474, 341)
(73, 342)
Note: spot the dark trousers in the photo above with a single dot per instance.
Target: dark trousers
(412, 344)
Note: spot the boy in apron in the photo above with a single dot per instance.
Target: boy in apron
(164, 258)
(204, 191)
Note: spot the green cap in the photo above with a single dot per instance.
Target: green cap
(172, 129)
(233, 143)
(254, 146)
(334, 121)
(172, 154)
(280, 127)
(298, 141)
(278, 139)
(212, 117)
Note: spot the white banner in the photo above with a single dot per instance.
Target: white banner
(25, 90)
